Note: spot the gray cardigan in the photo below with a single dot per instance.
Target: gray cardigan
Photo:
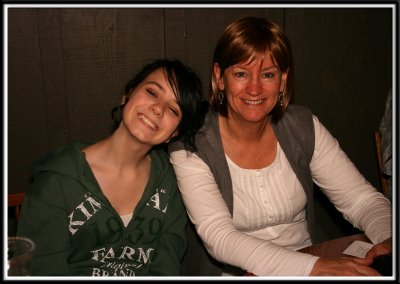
(295, 133)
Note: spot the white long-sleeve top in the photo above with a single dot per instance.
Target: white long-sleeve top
(269, 218)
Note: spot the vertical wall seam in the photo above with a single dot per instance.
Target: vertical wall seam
(68, 128)
(165, 34)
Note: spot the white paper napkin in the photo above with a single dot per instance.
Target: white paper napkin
(358, 249)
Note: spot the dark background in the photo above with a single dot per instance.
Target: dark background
(67, 68)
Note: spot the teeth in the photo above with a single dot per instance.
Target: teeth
(147, 121)
(253, 102)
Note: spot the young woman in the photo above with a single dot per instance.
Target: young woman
(113, 208)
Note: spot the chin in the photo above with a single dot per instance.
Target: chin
(255, 118)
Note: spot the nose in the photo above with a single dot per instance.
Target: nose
(254, 87)
(157, 110)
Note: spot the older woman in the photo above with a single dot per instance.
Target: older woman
(248, 187)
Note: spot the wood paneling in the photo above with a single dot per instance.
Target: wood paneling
(343, 70)
(54, 84)
(27, 121)
(175, 34)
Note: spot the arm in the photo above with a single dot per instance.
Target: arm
(350, 192)
(172, 242)
(209, 213)
(44, 220)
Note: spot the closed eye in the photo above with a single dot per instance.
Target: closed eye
(175, 111)
(151, 92)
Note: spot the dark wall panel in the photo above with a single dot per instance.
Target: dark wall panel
(54, 87)
(142, 33)
(343, 68)
(27, 121)
(92, 69)
(175, 34)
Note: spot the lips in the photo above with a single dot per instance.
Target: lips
(147, 121)
(253, 102)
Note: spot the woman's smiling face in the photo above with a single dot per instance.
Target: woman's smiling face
(152, 113)
(251, 88)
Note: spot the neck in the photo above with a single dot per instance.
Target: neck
(244, 130)
(118, 152)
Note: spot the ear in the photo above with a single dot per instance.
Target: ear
(283, 81)
(217, 75)
(172, 136)
(124, 99)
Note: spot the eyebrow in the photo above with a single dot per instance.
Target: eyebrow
(263, 69)
(161, 88)
(155, 83)
(271, 67)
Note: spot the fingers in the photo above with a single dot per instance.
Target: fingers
(343, 266)
(380, 249)
(364, 270)
(365, 261)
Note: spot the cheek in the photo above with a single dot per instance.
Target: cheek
(127, 112)
(232, 88)
(272, 88)
(129, 105)
(171, 123)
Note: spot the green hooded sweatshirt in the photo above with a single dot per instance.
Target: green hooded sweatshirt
(78, 233)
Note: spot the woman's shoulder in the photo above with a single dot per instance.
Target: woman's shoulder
(209, 128)
(298, 110)
(65, 160)
(160, 159)
(296, 115)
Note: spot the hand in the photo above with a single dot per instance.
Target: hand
(384, 247)
(343, 266)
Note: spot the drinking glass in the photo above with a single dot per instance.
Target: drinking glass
(19, 255)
